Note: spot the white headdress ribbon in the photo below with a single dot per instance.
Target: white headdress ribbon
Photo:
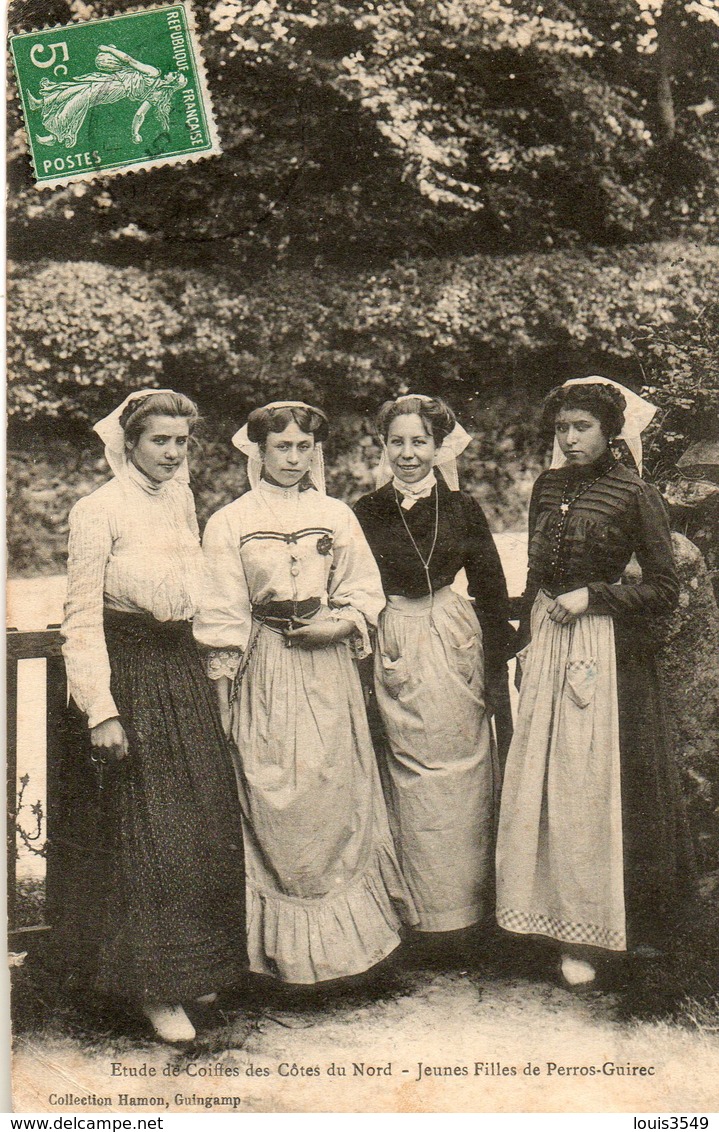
(316, 471)
(112, 435)
(637, 415)
(445, 458)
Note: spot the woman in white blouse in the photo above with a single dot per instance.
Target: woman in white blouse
(292, 588)
(171, 925)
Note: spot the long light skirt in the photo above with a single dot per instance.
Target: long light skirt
(325, 896)
(441, 766)
(559, 847)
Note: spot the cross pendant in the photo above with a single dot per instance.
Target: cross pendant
(564, 507)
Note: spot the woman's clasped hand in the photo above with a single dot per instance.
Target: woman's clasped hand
(566, 608)
(308, 634)
(109, 741)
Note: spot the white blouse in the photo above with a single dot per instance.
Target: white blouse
(135, 549)
(282, 544)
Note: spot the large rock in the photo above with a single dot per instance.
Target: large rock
(688, 661)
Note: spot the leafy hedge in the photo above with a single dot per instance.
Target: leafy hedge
(489, 333)
(82, 334)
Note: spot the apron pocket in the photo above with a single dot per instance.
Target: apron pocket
(581, 681)
(394, 675)
(466, 656)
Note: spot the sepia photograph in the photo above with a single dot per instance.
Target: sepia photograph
(363, 557)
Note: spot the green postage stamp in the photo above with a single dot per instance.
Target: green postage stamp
(113, 95)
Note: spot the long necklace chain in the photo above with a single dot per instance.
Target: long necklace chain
(564, 508)
(294, 557)
(425, 561)
(567, 502)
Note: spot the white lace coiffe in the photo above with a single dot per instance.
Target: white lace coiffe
(251, 450)
(637, 415)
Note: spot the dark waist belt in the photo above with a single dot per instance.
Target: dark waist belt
(281, 614)
(116, 619)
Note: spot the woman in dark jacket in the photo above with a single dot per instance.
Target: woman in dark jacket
(591, 846)
(435, 659)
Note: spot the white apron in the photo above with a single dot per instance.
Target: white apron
(324, 891)
(441, 765)
(559, 846)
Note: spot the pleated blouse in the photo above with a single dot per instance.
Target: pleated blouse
(611, 514)
(135, 549)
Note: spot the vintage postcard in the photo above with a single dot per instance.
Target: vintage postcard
(363, 521)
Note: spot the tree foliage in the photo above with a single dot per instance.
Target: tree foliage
(681, 376)
(367, 129)
(489, 104)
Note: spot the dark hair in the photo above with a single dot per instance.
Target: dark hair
(436, 415)
(133, 418)
(602, 400)
(261, 422)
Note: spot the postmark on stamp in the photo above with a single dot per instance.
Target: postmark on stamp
(113, 95)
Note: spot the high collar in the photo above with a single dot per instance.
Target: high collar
(413, 492)
(135, 476)
(587, 471)
(276, 492)
(384, 499)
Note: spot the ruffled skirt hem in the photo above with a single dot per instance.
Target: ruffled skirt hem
(305, 941)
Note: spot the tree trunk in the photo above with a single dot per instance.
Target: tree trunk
(665, 98)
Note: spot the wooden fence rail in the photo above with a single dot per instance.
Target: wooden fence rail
(60, 763)
(43, 644)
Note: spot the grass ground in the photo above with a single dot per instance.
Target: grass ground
(494, 1003)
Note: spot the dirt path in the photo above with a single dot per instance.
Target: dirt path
(478, 1037)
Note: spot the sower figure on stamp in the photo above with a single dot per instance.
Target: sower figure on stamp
(592, 847)
(65, 105)
(169, 902)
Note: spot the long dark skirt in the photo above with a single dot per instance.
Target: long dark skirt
(659, 865)
(160, 852)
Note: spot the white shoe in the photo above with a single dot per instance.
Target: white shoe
(577, 972)
(206, 999)
(170, 1023)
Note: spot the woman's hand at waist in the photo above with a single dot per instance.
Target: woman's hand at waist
(109, 741)
(566, 608)
(311, 634)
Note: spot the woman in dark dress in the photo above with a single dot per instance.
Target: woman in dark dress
(592, 849)
(170, 923)
(435, 661)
